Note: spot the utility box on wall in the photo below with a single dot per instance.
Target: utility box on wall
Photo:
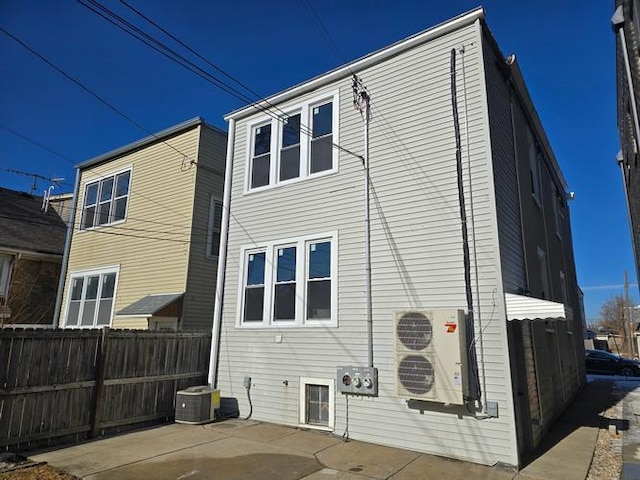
(357, 380)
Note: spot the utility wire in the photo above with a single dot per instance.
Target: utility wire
(140, 35)
(38, 144)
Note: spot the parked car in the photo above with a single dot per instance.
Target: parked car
(605, 363)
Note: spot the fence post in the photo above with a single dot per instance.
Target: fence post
(101, 370)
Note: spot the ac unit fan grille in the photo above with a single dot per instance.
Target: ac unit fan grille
(416, 374)
(415, 331)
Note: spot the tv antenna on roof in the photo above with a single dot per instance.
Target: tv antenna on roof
(35, 176)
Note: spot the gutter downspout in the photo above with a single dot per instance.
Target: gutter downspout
(618, 21)
(620, 161)
(222, 258)
(65, 256)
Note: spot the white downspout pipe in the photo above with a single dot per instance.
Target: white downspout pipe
(65, 255)
(222, 258)
(618, 21)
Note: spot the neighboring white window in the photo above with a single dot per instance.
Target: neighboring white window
(295, 145)
(290, 283)
(5, 275)
(215, 226)
(317, 403)
(106, 200)
(91, 298)
(534, 172)
(544, 276)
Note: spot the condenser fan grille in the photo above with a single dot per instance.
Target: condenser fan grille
(416, 374)
(415, 331)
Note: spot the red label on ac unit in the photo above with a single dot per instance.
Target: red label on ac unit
(451, 327)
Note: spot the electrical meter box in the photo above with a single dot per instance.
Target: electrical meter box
(357, 380)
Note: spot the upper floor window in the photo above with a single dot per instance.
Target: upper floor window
(91, 296)
(105, 200)
(215, 226)
(558, 210)
(294, 146)
(290, 283)
(5, 275)
(534, 172)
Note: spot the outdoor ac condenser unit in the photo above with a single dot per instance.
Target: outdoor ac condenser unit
(196, 405)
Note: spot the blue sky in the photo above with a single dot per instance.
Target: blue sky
(566, 51)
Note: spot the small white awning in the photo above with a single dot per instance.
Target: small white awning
(520, 307)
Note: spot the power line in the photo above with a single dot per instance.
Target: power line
(146, 38)
(34, 142)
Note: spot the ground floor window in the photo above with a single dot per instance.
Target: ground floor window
(91, 296)
(317, 398)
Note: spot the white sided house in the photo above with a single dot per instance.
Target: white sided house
(436, 310)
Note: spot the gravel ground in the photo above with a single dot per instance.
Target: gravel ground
(37, 472)
(607, 457)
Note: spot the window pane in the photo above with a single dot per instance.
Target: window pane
(286, 264)
(122, 184)
(108, 285)
(319, 300)
(72, 315)
(285, 302)
(321, 154)
(322, 119)
(76, 288)
(106, 189)
(320, 260)
(120, 209)
(103, 213)
(255, 271)
(260, 171)
(92, 288)
(88, 313)
(253, 304)
(88, 217)
(214, 249)
(91, 196)
(262, 140)
(290, 163)
(291, 131)
(217, 215)
(104, 312)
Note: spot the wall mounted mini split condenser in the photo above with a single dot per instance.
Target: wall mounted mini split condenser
(196, 405)
(431, 355)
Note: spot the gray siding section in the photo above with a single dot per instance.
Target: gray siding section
(505, 176)
(201, 277)
(416, 257)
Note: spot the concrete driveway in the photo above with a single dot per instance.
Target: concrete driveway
(241, 449)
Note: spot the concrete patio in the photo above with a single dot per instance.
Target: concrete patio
(241, 449)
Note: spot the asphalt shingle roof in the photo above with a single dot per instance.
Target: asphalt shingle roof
(24, 226)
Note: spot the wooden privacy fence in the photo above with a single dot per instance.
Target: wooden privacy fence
(66, 385)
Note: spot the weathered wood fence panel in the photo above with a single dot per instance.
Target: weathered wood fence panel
(60, 385)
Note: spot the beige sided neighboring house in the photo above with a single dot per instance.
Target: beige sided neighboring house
(143, 250)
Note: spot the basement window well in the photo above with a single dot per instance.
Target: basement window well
(317, 398)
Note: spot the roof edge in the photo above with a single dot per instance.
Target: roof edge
(368, 60)
(149, 140)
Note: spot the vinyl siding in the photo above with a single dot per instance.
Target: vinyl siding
(201, 279)
(505, 175)
(416, 250)
(152, 245)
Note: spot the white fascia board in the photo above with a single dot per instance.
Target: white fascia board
(368, 60)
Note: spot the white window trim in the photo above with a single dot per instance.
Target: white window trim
(6, 267)
(85, 273)
(210, 230)
(99, 179)
(269, 282)
(304, 381)
(305, 142)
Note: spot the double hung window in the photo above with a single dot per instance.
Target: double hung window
(290, 283)
(294, 146)
(91, 298)
(105, 200)
(215, 226)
